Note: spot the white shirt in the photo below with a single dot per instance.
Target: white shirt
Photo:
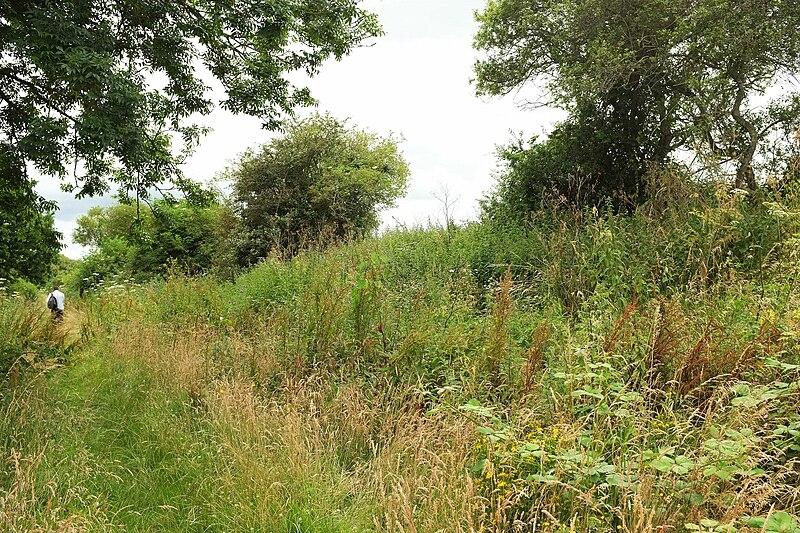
(59, 298)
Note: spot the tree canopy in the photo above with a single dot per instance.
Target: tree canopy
(660, 75)
(322, 180)
(108, 84)
(101, 93)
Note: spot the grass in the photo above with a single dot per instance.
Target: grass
(592, 372)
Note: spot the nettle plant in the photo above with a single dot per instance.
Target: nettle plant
(548, 473)
(609, 440)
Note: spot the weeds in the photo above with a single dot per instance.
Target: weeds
(589, 372)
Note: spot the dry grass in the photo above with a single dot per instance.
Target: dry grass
(363, 451)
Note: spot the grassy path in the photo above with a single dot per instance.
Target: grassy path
(104, 444)
(119, 452)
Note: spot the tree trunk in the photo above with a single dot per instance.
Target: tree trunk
(744, 173)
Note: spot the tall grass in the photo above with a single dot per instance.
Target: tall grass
(587, 372)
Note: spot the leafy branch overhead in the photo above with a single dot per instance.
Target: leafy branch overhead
(109, 84)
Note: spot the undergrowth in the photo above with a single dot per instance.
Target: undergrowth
(587, 372)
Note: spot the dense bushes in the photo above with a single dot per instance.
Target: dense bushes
(130, 243)
(321, 182)
(599, 156)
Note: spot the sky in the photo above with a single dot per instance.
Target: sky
(413, 82)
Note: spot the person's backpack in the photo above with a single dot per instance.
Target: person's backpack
(52, 303)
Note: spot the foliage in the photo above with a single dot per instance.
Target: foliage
(76, 78)
(649, 79)
(108, 265)
(129, 242)
(589, 371)
(61, 271)
(181, 233)
(29, 243)
(586, 160)
(320, 182)
(669, 243)
(23, 288)
(101, 223)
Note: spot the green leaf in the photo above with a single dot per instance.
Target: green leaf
(583, 392)
(755, 521)
(474, 406)
(695, 499)
(663, 464)
(778, 522)
(782, 522)
(546, 478)
(477, 468)
(780, 364)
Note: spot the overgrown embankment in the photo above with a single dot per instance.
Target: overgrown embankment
(593, 372)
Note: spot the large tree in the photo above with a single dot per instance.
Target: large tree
(320, 181)
(661, 75)
(103, 90)
(106, 86)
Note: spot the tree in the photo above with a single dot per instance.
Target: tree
(180, 233)
(738, 49)
(659, 75)
(321, 181)
(103, 223)
(141, 244)
(107, 85)
(29, 243)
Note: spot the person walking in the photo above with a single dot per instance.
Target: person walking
(55, 302)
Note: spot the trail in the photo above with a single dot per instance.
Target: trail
(117, 453)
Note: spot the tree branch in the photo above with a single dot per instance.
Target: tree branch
(744, 173)
(38, 94)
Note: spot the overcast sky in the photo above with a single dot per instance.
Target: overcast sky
(414, 82)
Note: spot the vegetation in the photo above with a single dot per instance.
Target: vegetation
(645, 82)
(29, 243)
(75, 76)
(591, 371)
(320, 182)
(78, 92)
(140, 243)
(613, 346)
